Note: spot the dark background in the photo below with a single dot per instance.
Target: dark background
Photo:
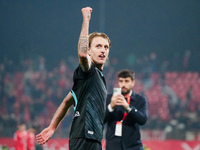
(51, 28)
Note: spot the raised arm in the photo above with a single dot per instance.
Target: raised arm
(83, 43)
(62, 110)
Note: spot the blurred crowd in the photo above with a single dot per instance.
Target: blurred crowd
(31, 89)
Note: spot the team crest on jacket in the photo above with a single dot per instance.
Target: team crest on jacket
(77, 114)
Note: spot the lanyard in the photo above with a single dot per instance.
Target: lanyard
(128, 101)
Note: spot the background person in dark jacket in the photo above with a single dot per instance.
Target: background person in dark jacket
(125, 112)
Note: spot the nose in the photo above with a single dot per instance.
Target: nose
(123, 84)
(103, 49)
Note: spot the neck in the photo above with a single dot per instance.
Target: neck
(99, 66)
(129, 94)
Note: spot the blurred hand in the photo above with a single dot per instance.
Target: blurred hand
(118, 100)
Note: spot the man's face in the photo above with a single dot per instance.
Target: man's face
(126, 84)
(22, 127)
(99, 50)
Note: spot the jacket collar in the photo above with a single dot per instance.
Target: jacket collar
(133, 95)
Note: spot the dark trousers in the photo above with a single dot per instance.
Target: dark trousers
(84, 144)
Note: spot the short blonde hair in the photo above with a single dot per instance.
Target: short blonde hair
(96, 34)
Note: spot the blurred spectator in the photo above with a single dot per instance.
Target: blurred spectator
(131, 60)
(186, 60)
(9, 66)
(31, 142)
(164, 67)
(41, 65)
(153, 62)
(20, 137)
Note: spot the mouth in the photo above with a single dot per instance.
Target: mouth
(102, 56)
(124, 89)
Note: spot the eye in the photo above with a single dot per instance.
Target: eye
(99, 46)
(106, 47)
(120, 81)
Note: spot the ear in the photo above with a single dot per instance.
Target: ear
(133, 82)
(89, 51)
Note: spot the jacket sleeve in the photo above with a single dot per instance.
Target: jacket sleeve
(139, 112)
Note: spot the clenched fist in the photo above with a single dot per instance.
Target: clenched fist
(86, 13)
